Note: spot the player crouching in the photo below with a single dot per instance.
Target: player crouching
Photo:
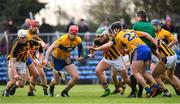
(17, 63)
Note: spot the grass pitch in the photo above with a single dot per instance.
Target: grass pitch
(84, 94)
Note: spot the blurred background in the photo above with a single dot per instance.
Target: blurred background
(55, 16)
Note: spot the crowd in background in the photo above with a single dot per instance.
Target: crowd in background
(11, 26)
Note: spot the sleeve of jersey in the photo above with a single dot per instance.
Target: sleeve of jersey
(139, 33)
(170, 36)
(59, 41)
(80, 48)
(13, 51)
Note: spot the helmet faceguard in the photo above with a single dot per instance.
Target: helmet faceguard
(102, 36)
(22, 33)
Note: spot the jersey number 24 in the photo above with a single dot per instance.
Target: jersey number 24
(130, 36)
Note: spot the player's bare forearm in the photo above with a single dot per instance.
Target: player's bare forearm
(41, 56)
(173, 42)
(49, 50)
(104, 47)
(150, 38)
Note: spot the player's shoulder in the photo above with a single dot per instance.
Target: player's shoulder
(165, 31)
(126, 31)
(78, 38)
(63, 37)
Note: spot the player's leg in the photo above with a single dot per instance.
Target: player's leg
(119, 85)
(140, 56)
(148, 76)
(72, 71)
(133, 86)
(34, 75)
(120, 66)
(21, 69)
(58, 65)
(43, 78)
(100, 72)
(173, 84)
(53, 82)
(115, 81)
(11, 82)
(174, 79)
(136, 66)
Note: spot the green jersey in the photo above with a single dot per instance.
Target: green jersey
(145, 27)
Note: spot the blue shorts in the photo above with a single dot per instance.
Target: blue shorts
(59, 64)
(28, 61)
(142, 53)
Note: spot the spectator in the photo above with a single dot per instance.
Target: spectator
(25, 24)
(168, 26)
(105, 23)
(122, 21)
(71, 22)
(45, 28)
(11, 28)
(83, 27)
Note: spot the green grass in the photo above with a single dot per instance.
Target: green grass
(81, 94)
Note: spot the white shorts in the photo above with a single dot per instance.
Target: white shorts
(171, 61)
(154, 59)
(126, 61)
(117, 64)
(21, 67)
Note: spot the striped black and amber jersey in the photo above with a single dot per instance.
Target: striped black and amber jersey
(34, 47)
(164, 50)
(112, 54)
(33, 44)
(19, 51)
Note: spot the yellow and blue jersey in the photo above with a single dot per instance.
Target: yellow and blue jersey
(128, 39)
(65, 46)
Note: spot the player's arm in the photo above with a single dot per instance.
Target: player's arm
(41, 42)
(172, 39)
(147, 36)
(103, 47)
(41, 56)
(80, 51)
(124, 51)
(12, 60)
(49, 50)
(91, 52)
(173, 42)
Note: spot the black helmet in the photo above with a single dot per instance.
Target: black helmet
(115, 25)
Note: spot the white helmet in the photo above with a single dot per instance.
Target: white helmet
(102, 31)
(22, 33)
